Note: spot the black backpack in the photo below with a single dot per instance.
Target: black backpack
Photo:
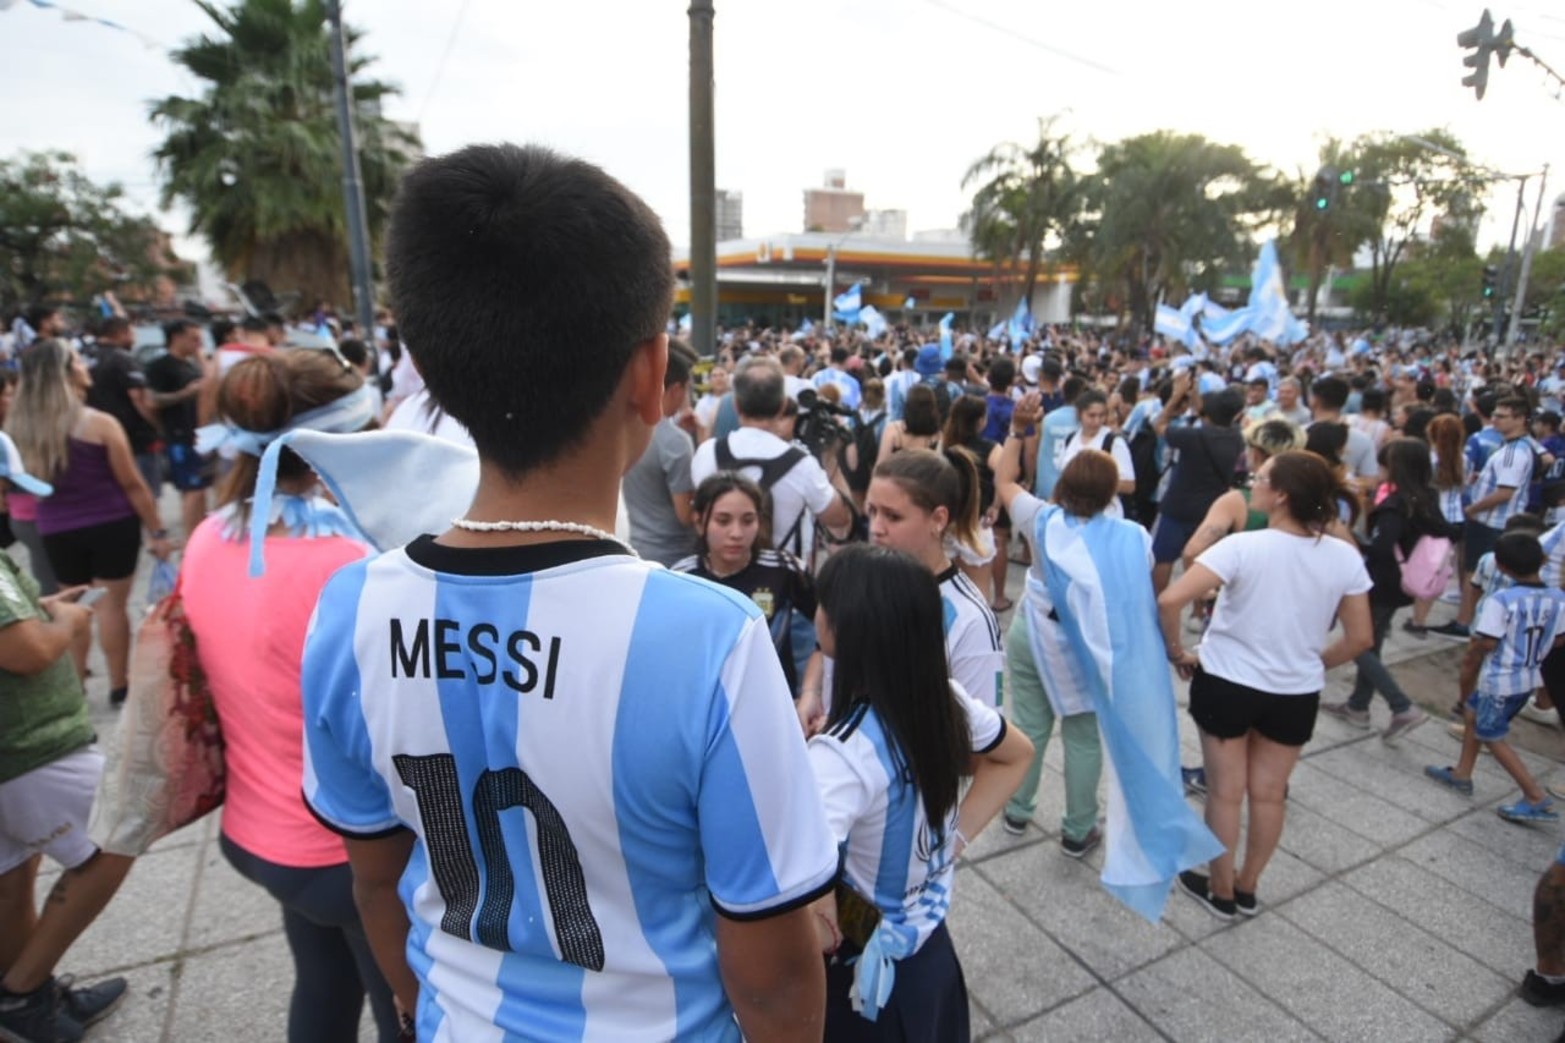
(772, 472)
(866, 443)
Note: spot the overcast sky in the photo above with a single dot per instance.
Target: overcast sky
(903, 94)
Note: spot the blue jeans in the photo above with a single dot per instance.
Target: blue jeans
(1372, 673)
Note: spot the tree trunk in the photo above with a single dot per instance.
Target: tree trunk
(311, 265)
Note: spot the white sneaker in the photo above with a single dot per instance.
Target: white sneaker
(1538, 715)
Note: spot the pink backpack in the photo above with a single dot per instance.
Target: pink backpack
(1427, 570)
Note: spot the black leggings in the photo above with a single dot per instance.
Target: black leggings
(333, 965)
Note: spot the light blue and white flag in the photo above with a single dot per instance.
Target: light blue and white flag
(1093, 627)
(685, 322)
(997, 330)
(1220, 329)
(1172, 323)
(909, 304)
(846, 306)
(1020, 325)
(870, 316)
(947, 346)
(806, 326)
(1271, 318)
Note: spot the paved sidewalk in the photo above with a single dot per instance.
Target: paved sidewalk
(1395, 911)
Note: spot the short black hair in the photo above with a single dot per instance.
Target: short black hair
(254, 324)
(174, 328)
(1518, 553)
(681, 362)
(1332, 392)
(523, 281)
(354, 350)
(1221, 407)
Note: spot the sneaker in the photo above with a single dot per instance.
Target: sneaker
(1079, 848)
(1194, 780)
(1403, 722)
(1014, 826)
(1417, 631)
(1454, 630)
(117, 697)
(89, 1004)
(1522, 811)
(1451, 597)
(1197, 886)
(37, 1017)
(1447, 778)
(1540, 993)
(1246, 903)
(1344, 712)
(1538, 715)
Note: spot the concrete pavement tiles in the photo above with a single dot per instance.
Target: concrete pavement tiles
(1394, 910)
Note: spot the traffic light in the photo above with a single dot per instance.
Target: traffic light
(1491, 278)
(1324, 190)
(1483, 41)
(1345, 178)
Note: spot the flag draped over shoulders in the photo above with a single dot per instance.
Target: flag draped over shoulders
(1093, 629)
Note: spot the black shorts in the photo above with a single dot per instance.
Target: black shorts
(1228, 710)
(107, 551)
(928, 1001)
(1477, 540)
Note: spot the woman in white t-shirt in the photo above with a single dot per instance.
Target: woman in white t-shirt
(1257, 676)
(1092, 412)
(889, 766)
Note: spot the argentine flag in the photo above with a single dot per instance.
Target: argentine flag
(1020, 325)
(946, 345)
(870, 316)
(847, 305)
(1093, 627)
(1271, 317)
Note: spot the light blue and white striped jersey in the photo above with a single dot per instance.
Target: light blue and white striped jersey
(1488, 578)
(849, 384)
(594, 753)
(1553, 543)
(1509, 466)
(973, 647)
(1480, 446)
(891, 855)
(1525, 619)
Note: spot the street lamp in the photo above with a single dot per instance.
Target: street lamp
(855, 226)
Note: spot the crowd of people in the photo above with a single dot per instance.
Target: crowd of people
(679, 730)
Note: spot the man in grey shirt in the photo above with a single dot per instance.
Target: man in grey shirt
(658, 490)
(1327, 397)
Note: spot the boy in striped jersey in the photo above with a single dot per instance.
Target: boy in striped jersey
(577, 804)
(1515, 629)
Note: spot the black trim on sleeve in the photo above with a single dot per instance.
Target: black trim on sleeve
(998, 739)
(777, 910)
(349, 834)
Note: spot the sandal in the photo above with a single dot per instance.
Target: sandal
(1003, 605)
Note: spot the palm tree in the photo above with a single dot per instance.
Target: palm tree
(1024, 195)
(257, 156)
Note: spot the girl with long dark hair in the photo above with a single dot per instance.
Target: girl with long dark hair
(1256, 680)
(889, 766)
(733, 527)
(964, 427)
(1405, 508)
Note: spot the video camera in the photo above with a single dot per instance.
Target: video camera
(815, 427)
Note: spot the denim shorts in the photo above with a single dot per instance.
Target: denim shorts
(1493, 714)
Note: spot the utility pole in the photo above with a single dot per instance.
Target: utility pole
(831, 282)
(1510, 260)
(352, 183)
(1534, 233)
(703, 185)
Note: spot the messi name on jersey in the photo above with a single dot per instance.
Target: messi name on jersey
(452, 651)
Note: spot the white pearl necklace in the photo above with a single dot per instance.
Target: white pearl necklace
(534, 526)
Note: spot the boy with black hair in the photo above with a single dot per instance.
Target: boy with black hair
(1515, 630)
(583, 770)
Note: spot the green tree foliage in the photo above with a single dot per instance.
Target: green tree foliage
(1401, 184)
(64, 236)
(1330, 237)
(257, 156)
(1026, 195)
(1170, 213)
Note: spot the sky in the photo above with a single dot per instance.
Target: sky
(902, 94)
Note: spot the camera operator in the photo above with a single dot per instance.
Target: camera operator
(798, 485)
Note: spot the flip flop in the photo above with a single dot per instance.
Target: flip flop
(1003, 605)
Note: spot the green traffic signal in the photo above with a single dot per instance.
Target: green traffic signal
(1345, 178)
(1321, 202)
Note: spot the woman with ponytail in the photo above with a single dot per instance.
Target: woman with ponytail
(1255, 681)
(925, 503)
(249, 633)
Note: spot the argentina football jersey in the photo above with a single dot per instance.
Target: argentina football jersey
(597, 757)
(1524, 619)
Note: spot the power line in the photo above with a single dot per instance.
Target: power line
(456, 27)
(1056, 51)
